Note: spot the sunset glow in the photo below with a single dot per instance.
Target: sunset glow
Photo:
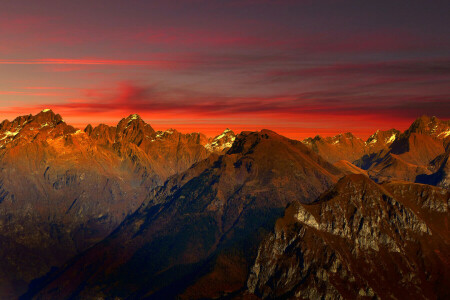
(300, 68)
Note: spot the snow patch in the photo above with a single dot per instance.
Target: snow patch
(444, 134)
(160, 134)
(10, 134)
(133, 117)
(46, 110)
(391, 139)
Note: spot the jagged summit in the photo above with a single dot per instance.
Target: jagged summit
(134, 117)
(383, 137)
(343, 146)
(133, 129)
(222, 142)
(430, 126)
(48, 116)
(42, 126)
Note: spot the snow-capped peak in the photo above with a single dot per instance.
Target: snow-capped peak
(222, 141)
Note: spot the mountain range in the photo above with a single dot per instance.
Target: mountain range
(126, 212)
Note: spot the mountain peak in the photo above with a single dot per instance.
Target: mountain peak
(222, 142)
(134, 117)
(133, 129)
(383, 137)
(47, 116)
(430, 126)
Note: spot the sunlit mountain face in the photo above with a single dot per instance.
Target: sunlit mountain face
(127, 211)
(251, 149)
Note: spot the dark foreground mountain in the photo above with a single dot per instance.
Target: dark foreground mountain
(199, 234)
(63, 190)
(360, 240)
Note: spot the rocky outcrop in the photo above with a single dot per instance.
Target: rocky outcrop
(359, 240)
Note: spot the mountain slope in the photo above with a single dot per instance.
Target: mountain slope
(348, 168)
(441, 176)
(63, 190)
(202, 224)
(340, 147)
(359, 240)
(60, 193)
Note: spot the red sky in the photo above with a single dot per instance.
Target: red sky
(300, 68)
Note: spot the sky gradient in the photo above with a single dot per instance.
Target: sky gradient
(300, 68)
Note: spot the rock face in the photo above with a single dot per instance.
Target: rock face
(63, 190)
(198, 235)
(359, 240)
(156, 154)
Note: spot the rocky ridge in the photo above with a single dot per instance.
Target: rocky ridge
(63, 190)
(358, 240)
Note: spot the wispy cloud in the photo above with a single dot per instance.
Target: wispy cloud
(131, 97)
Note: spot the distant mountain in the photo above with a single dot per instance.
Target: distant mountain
(348, 147)
(359, 240)
(223, 142)
(381, 140)
(340, 147)
(411, 155)
(198, 235)
(62, 189)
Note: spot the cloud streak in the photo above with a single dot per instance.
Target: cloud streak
(131, 97)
